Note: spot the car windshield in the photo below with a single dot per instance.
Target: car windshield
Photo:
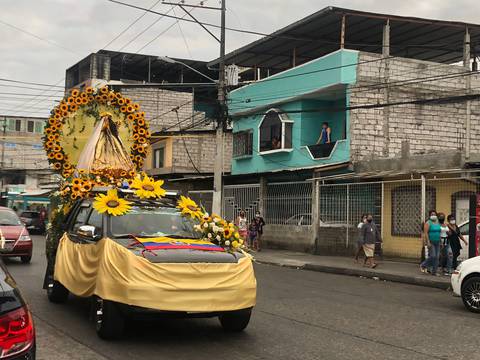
(9, 218)
(152, 222)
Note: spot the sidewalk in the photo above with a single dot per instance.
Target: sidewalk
(402, 272)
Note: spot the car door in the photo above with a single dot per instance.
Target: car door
(80, 217)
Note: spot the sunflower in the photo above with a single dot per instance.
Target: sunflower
(90, 98)
(64, 113)
(141, 122)
(76, 181)
(71, 100)
(51, 156)
(52, 121)
(104, 90)
(104, 97)
(142, 131)
(136, 137)
(123, 173)
(76, 188)
(78, 101)
(140, 149)
(136, 106)
(148, 188)
(111, 203)
(121, 101)
(57, 116)
(87, 186)
(89, 90)
(123, 109)
(189, 207)
(138, 158)
(57, 166)
(130, 117)
(84, 101)
(73, 107)
(59, 156)
(130, 109)
(57, 148)
(118, 96)
(131, 173)
(64, 107)
(227, 232)
(75, 92)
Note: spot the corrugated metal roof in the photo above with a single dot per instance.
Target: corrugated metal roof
(319, 34)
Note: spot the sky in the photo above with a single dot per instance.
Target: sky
(58, 33)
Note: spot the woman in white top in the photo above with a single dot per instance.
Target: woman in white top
(446, 249)
(242, 224)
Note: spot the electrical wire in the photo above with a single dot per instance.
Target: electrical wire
(54, 43)
(186, 148)
(183, 35)
(274, 35)
(131, 24)
(32, 83)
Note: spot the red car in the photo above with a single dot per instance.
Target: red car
(14, 237)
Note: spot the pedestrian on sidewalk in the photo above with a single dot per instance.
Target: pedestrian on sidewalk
(260, 224)
(370, 235)
(446, 250)
(242, 224)
(454, 238)
(362, 222)
(432, 232)
(252, 234)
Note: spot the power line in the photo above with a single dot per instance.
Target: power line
(186, 148)
(274, 35)
(25, 87)
(370, 87)
(39, 37)
(131, 24)
(32, 83)
(144, 30)
(183, 35)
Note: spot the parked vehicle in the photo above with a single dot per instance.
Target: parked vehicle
(33, 221)
(17, 333)
(14, 237)
(466, 283)
(85, 227)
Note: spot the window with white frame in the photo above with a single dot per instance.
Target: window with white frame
(159, 157)
(275, 132)
(242, 143)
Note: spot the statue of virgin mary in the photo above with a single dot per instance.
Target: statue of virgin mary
(105, 149)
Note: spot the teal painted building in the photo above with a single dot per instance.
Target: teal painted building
(277, 121)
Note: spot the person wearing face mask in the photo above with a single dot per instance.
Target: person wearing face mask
(446, 250)
(454, 238)
(370, 235)
(432, 230)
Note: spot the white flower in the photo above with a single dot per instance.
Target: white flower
(212, 224)
(209, 235)
(206, 215)
(219, 238)
(227, 243)
(197, 227)
(215, 229)
(205, 225)
(217, 220)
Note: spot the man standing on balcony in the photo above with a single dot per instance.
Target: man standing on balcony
(325, 135)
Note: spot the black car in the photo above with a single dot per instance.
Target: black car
(17, 333)
(33, 221)
(85, 226)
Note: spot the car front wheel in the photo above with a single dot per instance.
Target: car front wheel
(235, 321)
(57, 293)
(471, 294)
(109, 320)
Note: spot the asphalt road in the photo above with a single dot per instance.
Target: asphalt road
(300, 315)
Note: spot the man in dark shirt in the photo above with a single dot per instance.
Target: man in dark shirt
(370, 235)
(260, 223)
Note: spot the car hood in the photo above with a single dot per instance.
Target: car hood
(182, 255)
(12, 232)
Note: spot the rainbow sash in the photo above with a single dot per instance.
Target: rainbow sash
(166, 243)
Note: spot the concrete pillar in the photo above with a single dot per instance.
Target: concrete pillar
(466, 49)
(315, 213)
(262, 194)
(342, 33)
(423, 198)
(386, 39)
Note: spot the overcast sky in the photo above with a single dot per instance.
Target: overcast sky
(72, 29)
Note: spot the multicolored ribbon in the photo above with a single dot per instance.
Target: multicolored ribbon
(166, 243)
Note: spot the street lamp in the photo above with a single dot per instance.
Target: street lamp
(172, 61)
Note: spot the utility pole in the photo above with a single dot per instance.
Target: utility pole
(218, 166)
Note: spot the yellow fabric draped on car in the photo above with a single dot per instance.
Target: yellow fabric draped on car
(112, 272)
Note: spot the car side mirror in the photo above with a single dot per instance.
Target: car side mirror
(88, 231)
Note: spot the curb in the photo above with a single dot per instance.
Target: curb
(404, 279)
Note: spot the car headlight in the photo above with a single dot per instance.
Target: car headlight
(25, 238)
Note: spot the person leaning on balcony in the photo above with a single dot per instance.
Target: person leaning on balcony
(432, 230)
(370, 236)
(325, 135)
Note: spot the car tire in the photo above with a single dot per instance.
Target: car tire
(26, 259)
(471, 294)
(109, 320)
(56, 292)
(235, 321)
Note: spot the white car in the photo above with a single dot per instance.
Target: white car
(466, 283)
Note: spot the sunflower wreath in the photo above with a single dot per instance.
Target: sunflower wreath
(88, 100)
